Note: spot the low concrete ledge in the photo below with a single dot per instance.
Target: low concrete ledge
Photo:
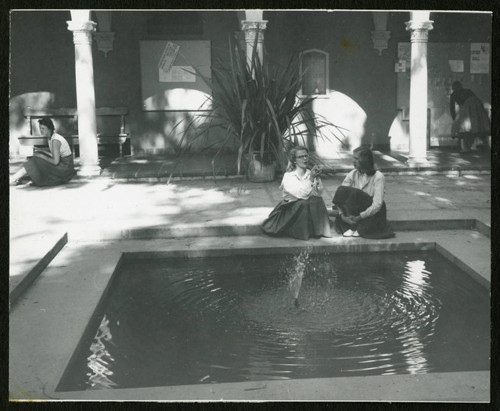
(441, 224)
(483, 228)
(18, 287)
(464, 266)
(166, 178)
(330, 248)
(207, 230)
(469, 387)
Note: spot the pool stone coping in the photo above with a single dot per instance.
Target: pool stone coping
(50, 364)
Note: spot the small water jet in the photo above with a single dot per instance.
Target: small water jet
(297, 273)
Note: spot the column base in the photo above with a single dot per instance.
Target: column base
(89, 170)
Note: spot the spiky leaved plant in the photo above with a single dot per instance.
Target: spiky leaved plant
(257, 105)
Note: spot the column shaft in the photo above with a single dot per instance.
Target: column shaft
(85, 96)
(418, 102)
(418, 91)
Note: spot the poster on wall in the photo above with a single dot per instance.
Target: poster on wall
(479, 58)
(168, 57)
(404, 53)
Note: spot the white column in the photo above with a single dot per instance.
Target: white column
(254, 28)
(419, 27)
(82, 29)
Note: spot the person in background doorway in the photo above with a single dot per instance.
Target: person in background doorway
(360, 200)
(48, 168)
(302, 212)
(471, 121)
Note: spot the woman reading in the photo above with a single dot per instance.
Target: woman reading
(48, 168)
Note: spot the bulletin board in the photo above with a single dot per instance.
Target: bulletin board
(469, 63)
(168, 79)
(446, 63)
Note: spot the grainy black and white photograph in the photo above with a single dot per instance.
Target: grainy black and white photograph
(250, 205)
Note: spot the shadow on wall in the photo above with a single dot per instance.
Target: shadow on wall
(345, 113)
(176, 118)
(177, 99)
(399, 133)
(162, 129)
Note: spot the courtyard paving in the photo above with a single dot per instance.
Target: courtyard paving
(125, 208)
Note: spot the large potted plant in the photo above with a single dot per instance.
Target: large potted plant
(256, 104)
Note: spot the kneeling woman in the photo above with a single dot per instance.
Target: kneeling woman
(302, 212)
(360, 200)
(49, 168)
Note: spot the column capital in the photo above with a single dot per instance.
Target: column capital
(254, 29)
(253, 25)
(419, 30)
(82, 31)
(81, 25)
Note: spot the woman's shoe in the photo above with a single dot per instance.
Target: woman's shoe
(348, 233)
(355, 234)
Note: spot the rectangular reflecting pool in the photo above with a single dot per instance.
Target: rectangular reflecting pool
(308, 314)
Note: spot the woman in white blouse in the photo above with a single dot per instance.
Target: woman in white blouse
(360, 200)
(48, 168)
(302, 212)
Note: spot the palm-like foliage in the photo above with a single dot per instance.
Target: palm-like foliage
(257, 106)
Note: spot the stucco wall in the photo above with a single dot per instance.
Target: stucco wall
(362, 82)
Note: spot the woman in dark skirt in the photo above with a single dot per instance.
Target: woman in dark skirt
(360, 200)
(302, 212)
(49, 168)
(472, 121)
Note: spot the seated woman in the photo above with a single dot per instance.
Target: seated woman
(360, 200)
(48, 168)
(302, 212)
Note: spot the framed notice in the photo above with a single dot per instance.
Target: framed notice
(479, 58)
(404, 54)
(169, 74)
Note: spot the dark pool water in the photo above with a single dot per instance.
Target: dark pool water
(170, 321)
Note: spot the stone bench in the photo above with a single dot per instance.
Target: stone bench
(66, 122)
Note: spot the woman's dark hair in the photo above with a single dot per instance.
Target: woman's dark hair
(456, 85)
(366, 164)
(47, 122)
(292, 163)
